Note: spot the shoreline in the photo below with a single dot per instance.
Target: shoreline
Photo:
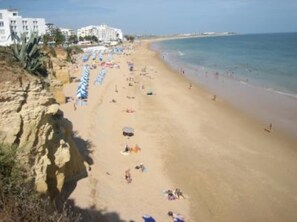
(221, 158)
(241, 95)
(250, 124)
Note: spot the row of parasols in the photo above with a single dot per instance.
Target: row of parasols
(99, 79)
(88, 54)
(82, 90)
(86, 57)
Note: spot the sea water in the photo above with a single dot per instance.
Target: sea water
(255, 72)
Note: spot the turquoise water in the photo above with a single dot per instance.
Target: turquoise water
(256, 73)
(266, 60)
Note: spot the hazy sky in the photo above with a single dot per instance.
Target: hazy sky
(165, 16)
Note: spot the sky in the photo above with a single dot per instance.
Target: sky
(164, 17)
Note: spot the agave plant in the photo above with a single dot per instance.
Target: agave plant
(28, 54)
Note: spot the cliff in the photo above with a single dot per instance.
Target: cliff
(30, 118)
(57, 66)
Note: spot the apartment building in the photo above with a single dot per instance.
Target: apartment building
(67, 32)
(12, 23)
(87, 31)
(104, 33)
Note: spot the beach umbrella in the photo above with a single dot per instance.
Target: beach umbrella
(82, 93)
(79, 95)
(128, 131)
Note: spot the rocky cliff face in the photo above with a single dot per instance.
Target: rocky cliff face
(31, 119)
(60, 76)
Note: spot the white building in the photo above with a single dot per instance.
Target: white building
(67, 32)
(87, 31)
(11, 22)
(104, 33)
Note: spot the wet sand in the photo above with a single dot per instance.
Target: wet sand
(228, 165)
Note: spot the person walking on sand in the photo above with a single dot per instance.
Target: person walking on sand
(74, 105)
(128, 176)
(116, 88)
(190, 85)
(270, 127)
(214, 97)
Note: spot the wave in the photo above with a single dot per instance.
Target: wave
(270, 89)
(180, 53)
(282, 93)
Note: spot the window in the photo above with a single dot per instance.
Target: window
(2, 32)
(1, 24)
(0, 15)
(14, 14)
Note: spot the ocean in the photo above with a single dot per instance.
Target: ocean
(256, 72)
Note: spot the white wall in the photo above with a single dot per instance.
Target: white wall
(13, 22)
(5, 27)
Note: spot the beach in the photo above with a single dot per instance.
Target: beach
(227, 165)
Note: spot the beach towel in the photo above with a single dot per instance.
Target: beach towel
(147, 218)
(124, 153)
(178, 220)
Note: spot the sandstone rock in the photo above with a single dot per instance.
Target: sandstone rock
(30, 118)
(53, 109)
(62, 155)
(57, 89)
(63, 75)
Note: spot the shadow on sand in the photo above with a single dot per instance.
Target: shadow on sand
(85, 147)
(92, 214)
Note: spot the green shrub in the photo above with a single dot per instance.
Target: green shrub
(18, 199)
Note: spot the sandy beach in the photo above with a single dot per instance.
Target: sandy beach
(228, 167)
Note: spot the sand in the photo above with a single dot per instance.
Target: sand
(230, 168)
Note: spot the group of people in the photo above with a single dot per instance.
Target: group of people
(134, 149)
(173, 195)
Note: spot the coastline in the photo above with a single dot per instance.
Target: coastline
(266, 104)
(244, 128)
(221, 158)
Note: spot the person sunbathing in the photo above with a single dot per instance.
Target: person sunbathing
(176, 217)
(170, 195)
(178, 193)
(140, 167)
(135, 149)
(130, 97)
(127, 149)
(129, 111)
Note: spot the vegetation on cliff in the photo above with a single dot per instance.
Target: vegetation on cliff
(28, 54)
(18, 199)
